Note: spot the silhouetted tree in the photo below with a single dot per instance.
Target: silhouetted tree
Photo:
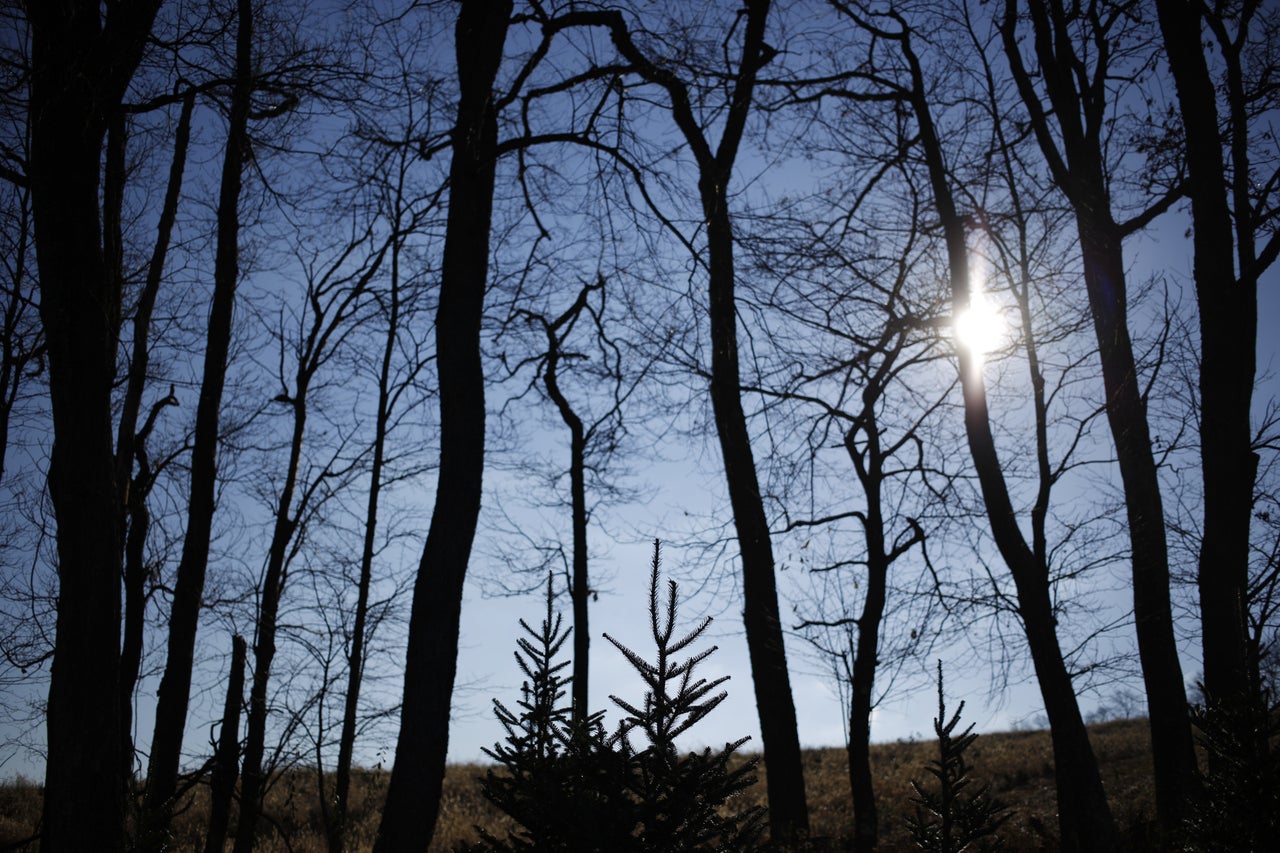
(131, 438)
(715, 162)
(950, 818)
(175, 686)
(226, 760)
(335, 301)
(571, 786)
(1235, 240)
(1077, 52)
(592, 444)
(413, 795)
(82, 61)
(1084, 816)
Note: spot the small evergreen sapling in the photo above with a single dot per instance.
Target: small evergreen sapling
(678, 798)
(564, 784)
(1240, 809)
(950, 819)
(574, 787)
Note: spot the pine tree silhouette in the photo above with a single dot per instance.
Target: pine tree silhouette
(576, 787)
(950, 819)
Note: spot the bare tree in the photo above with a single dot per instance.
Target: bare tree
(1078, 51)
(413, 795)
(715, 161)
(592, 444)
(1085, 818)
(131, 439)
(334, 303)
(175, 686)
(855, 349)
(1235, 240)
(395, 381)
(81, 67)
(21, 344)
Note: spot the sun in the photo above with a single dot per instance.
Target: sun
(980, 328)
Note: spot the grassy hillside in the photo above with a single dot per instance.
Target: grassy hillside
(1018, 766)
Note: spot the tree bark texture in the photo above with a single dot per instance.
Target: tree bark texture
(81, 67)
(175, 685)
(413, 795)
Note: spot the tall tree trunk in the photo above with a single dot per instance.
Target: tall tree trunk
(869, 465)
(579, 588)
(175, 685)
(788, 808)
(1228, 303)
(226, 760)
(1084, 817)
(1172, 749)
(1080, 174)
(413, 796)
(80, 69)
(253, 779)
(131, 442)
(356, 654)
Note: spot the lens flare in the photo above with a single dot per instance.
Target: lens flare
(980, 328)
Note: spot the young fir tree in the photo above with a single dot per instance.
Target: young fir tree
(950, 819)
(1241, 806)
(564, 785)
(574, 787)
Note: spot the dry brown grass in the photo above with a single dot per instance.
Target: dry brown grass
(1017, 765)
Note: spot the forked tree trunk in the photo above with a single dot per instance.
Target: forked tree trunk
(413, 795)
(579, 586)
(1228, 299)
(869, 465)
(788, 806)
(1078, 170)
(80, 70)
